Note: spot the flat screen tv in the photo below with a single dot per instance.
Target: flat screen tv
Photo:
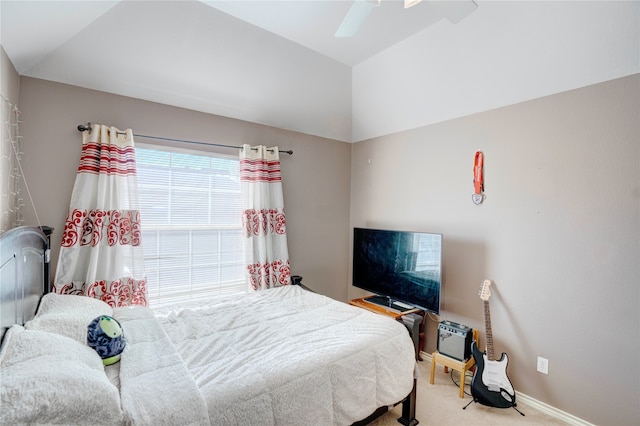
(403, 269)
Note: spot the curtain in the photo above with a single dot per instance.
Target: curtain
(101, 254)
(263, 218)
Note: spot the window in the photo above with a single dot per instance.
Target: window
(190, 213)
(428, 252)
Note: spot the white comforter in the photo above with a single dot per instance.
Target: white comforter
(49, 375)
(278, 357)
(155, 385)
(287, 356)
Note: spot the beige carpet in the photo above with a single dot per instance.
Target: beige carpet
(439, 404)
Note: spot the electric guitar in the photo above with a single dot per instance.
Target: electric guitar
(490, 384)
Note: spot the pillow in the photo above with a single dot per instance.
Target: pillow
(48, 378)
(68, 315)
(69, 303)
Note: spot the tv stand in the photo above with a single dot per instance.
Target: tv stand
(390, 304)
(391, 311)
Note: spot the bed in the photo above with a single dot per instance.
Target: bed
(284, 356)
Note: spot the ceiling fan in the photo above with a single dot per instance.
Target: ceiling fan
(453, 10)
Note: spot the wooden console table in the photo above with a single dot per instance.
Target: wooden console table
(362, 303)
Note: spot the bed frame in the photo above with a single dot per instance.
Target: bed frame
(24, 273)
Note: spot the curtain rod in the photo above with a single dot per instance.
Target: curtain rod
(82, 128)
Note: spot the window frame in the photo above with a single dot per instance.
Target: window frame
(190, 294)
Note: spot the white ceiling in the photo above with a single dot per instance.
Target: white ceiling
(313, 24)
(274, 62)
(33, 29)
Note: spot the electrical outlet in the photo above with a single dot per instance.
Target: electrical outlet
(543, 365)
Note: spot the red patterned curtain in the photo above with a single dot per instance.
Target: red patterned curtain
(263, 218)
(101, 254)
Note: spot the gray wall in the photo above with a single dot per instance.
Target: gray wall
(9, 77)
(10, 89)
(315, 179)
(559, 234)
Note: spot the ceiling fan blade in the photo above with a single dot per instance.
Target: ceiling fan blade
(410, 3)
(455, 11)
(355, 17)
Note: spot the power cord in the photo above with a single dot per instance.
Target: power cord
(467, 382)
(297, 280)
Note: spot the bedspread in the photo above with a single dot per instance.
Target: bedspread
(287, 356)
(155, 385)
(283, 356)
(49, 375)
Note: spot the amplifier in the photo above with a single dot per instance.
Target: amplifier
(454, 340)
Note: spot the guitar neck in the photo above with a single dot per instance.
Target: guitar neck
(488, 334)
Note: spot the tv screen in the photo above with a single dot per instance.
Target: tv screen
(399, 266)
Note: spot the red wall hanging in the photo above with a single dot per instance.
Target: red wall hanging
(478, 178)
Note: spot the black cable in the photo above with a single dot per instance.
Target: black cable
(467, 383)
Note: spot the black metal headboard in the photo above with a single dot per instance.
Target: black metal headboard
(24, 273)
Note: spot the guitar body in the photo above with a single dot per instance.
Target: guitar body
(490, 385)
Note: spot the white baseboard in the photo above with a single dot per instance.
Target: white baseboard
(552, 411)
(538, 405)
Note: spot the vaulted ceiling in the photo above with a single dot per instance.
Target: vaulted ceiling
(277, 62)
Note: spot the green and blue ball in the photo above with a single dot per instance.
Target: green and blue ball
(105, 336)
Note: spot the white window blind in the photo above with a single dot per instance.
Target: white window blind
(190, 213)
